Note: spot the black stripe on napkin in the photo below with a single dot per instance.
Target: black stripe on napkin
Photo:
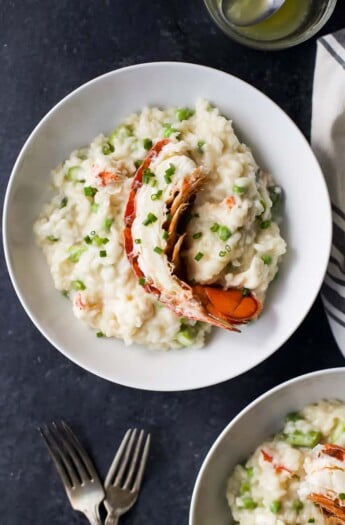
(334, 317)
(331, 51)
(340, 37)
(336, 279)
(338, 211)
(338, 237)
(336, 263)
(333, 297)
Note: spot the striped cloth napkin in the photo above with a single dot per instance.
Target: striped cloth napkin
(328, 142)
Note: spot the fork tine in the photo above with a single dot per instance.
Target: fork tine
(139, 477)
(125, 459)
(57, 461)
(81, 451)
(59, 432)
(56, 443)
(116, 460)
(134, 461)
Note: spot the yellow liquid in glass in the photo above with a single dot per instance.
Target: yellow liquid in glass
(286, 21)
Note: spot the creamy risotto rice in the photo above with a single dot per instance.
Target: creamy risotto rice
(266, 490)
(232, 224)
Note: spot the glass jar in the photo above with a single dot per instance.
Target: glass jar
(294, 23)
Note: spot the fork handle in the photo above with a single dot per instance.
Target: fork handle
(112, 518)
(94, 517)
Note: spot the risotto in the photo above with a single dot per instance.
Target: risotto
(274, 485)
(163, 284)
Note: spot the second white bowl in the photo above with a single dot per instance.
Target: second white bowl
(261, 419)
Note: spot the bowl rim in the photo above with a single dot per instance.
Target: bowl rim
(27, 145)
(244, 411)
(273, 45)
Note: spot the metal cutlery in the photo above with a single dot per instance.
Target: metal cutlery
(123, 481)
(79, 477)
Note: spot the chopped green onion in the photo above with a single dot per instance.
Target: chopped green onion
(51, 238)
(293, 416)
(157, 196)
(147, 175)
(137, 241)
(245, 292)
(267, 259)
(197, 235)
(201, 145)
(153, 182)
(169, 173)
(99, 334)
(187, 334)
(88, 239)
(275, 506)
(89, 191)
(63, 202)
(103, 253)
(265, 224)
(121, 132)
(311, 520)
(337, 431)
(215, 227)
(168, 130)
(263, 204)
(297, 505)
(142, 281)
(75, 253)
(107, 223)
(78, 285)
(222, 253)
(228, 247)
(98, 241)
(199, 256)
(158, 250)
(147, 144)
(275, 195)
(94, 207)
(165, 235)
(138, 163)
(248, 503)
(71, 174)
(341, 495)
(151, 218)
(107, 148)
(245, 487)
(224, 233)
(250, 472)
(184, 114)
(64, 293)
(240, 190)
(303, 439)
(169, 217)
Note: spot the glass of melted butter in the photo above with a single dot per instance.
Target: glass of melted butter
(293, 23)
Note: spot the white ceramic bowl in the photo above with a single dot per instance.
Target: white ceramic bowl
(262, 418)
(279, 147)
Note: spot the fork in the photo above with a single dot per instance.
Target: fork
(123, 481)
(79, 477)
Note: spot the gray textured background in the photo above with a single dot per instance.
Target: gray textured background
(48, 48)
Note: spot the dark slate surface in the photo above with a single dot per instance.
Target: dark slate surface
(46, 50)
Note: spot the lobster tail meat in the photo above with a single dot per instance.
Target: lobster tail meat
(157, 212)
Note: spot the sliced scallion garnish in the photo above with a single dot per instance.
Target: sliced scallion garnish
(78, 285)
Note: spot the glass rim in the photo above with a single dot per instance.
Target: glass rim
(282, 43)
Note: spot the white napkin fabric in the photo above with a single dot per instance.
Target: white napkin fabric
(328, 142)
